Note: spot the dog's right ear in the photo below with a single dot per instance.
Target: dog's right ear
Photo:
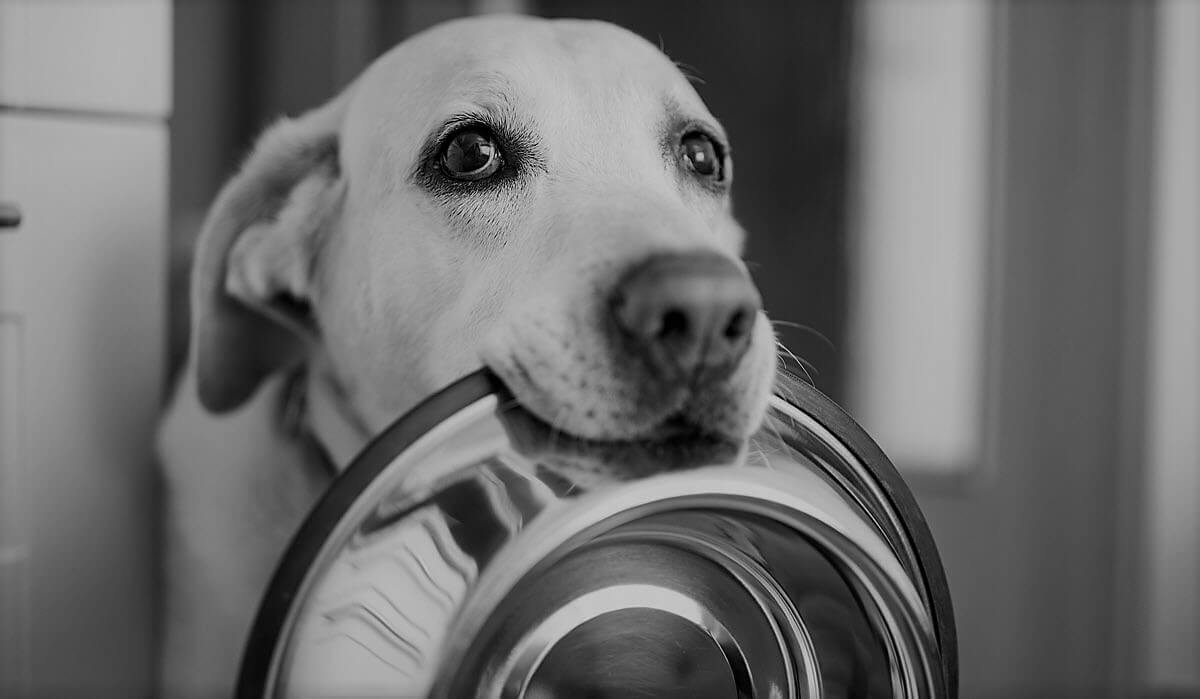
(253, 255)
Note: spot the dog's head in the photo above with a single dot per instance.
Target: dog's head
(548, 198)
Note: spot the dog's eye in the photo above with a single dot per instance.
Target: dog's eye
(471, 155)
(701, 155)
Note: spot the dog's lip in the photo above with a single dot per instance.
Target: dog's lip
(675, 444)
(673, 424)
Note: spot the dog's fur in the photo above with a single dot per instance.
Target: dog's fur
(340, 279)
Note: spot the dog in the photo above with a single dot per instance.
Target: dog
(546, 198)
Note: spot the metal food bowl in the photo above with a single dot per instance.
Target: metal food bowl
(449, 561)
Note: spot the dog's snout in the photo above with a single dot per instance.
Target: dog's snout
(687, 313)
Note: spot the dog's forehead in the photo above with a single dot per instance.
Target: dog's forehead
(574, 72)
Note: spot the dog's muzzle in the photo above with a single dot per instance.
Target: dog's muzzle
(445, 562)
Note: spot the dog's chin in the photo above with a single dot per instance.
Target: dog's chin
(577, 462)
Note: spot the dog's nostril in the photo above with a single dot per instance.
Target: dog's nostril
(674, 324)
(737, 325)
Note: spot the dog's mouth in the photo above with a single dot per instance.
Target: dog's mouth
(677, 443)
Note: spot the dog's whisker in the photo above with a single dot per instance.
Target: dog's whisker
(803, 365)
(808, 367)
(790, 324)
(808, 329)
(783, 349)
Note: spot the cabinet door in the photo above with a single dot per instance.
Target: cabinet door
(82, 288)
(86, 55)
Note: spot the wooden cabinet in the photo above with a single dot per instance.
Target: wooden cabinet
(84, 96)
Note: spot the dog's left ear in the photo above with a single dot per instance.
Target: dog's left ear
(252, 273)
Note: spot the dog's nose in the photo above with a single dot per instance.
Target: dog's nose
(687, 313)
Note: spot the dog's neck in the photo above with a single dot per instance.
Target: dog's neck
(318, 408)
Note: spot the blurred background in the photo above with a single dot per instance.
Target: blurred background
(978, 222)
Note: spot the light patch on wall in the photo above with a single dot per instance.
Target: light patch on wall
(1173, 388)
(918, 258)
